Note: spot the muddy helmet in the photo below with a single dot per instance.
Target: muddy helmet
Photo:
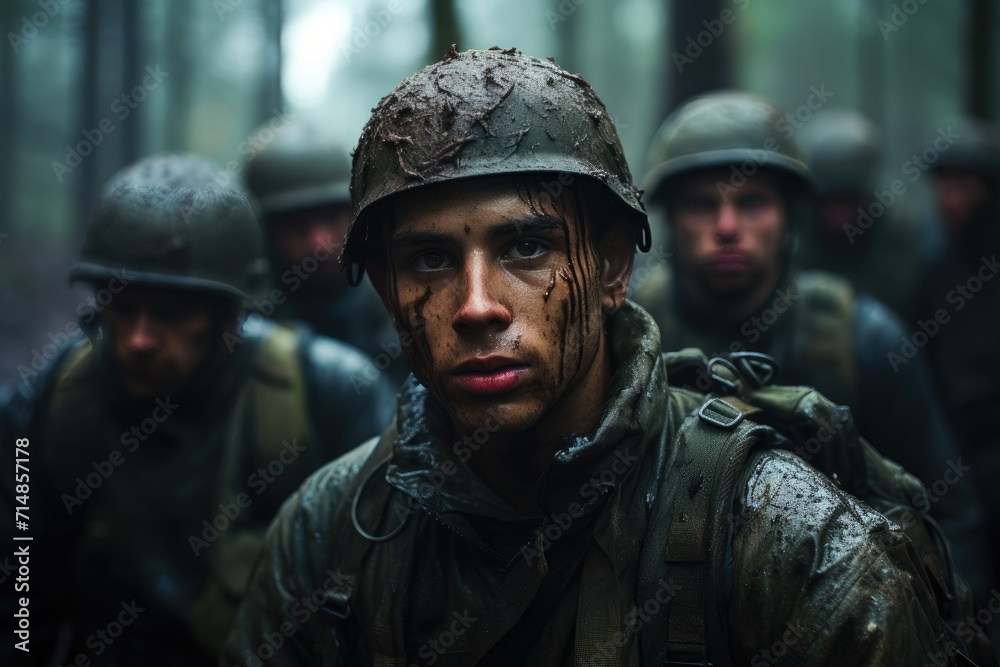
(298, 168)
(843, 150)
(166, 222)
(479, 113)
(718, 130)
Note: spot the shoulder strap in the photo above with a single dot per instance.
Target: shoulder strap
(827, 317)
(278, 401)
(688, 545)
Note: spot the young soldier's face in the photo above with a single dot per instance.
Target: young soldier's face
(729, 247)
(159, 337)
(497, 290)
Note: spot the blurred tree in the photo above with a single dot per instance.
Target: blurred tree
(270, 91)
(444, 30)
(180, 63)
(10, 12)
(979, 98)
(699, 53)
(133, 65)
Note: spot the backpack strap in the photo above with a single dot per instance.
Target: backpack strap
(690, 534)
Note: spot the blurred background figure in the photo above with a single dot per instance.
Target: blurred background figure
(860, 230)
(957, 309)
(302, 179)
(731, 193)
(163, 442)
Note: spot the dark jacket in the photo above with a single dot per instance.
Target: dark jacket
(463, 579)
(150, 513)
(825, 336)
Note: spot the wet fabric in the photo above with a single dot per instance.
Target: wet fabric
(461, 571)
(841, 346)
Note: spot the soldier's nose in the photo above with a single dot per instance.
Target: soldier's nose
(478, 306)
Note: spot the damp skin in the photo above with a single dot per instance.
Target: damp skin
(495, 269)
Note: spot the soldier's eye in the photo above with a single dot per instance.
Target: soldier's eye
(525, 249)
(430, 260)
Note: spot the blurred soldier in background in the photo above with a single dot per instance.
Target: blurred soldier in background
(957, 312)
(302, 182)
(859, 230)
(164, 441)
(734, 192)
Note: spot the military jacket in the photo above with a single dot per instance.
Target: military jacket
(452, 575)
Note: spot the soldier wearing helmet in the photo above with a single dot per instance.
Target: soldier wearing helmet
(860, 229)
(164, 441)
(733, 193)
(301, 180)
(501, 518)
(958, 302)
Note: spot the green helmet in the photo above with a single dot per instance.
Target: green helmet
(298, 168)
(843, 150)
(165, 222)
(480, 113)
(975, 148)
(719, 130)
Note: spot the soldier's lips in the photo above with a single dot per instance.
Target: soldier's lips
(488, 375)
(730, 261)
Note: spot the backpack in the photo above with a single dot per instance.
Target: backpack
(742, 412)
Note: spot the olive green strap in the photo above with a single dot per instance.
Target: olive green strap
(689, 533)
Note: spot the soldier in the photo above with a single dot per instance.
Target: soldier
(301, 180)
(957, 313)
(163, 442)
(859, 230)
(733, 192)
(494, 212)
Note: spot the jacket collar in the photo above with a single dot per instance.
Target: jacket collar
(585, 470)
